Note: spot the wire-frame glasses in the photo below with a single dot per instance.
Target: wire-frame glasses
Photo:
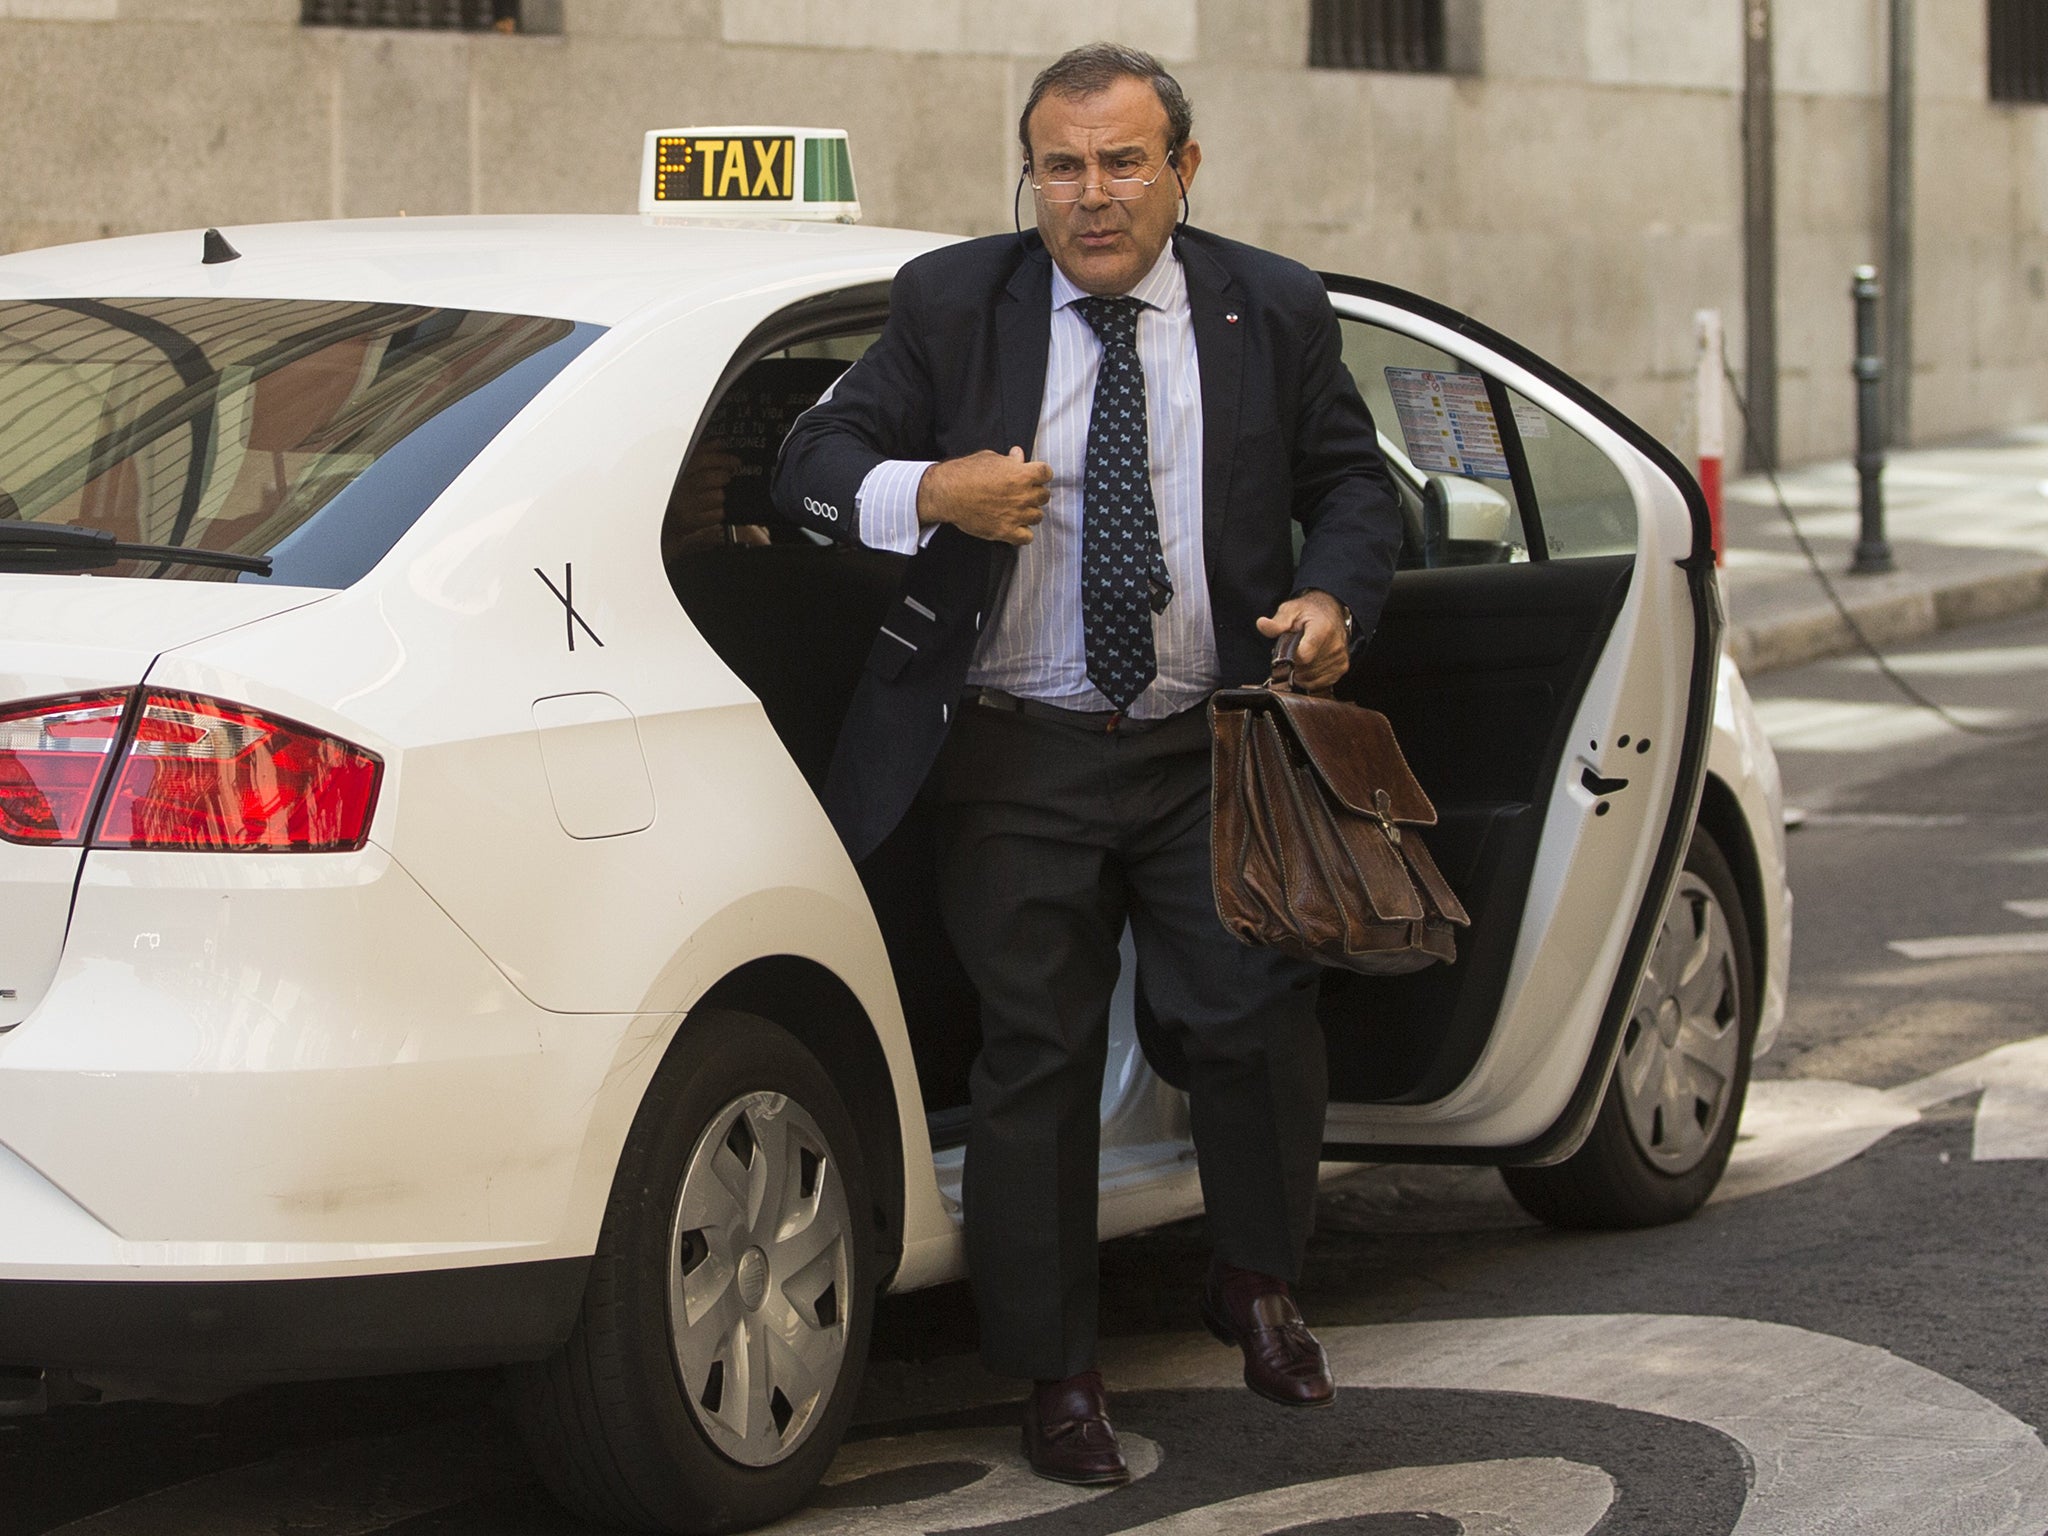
(1122, 189)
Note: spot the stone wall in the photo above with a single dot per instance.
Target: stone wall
(1580, 189)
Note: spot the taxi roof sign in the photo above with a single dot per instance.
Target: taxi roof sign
(749, 172)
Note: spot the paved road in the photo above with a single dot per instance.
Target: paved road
(1846, 1342)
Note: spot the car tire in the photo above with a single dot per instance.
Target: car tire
(741, 1211)
(1668, 1121)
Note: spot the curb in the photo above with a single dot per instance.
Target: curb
(1769, 645)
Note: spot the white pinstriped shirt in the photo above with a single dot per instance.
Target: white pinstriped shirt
(1033, 645)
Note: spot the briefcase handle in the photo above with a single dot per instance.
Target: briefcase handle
(1282, 676)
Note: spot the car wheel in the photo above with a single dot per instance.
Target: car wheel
(714, 1366)
(1668, 1121)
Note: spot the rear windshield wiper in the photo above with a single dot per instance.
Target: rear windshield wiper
(61, 547)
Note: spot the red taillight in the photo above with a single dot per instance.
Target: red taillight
(196, 773)
(199, 773)
(53, 753)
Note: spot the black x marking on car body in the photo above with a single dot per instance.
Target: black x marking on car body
(566, 595)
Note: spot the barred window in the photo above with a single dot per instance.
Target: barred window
(415, 15)
(2019, 50)
(1407, 35)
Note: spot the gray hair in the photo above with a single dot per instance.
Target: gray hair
(1096, 67)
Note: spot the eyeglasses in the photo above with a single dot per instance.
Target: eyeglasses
(1122, 189)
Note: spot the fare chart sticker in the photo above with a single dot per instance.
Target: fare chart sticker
(1448, 422)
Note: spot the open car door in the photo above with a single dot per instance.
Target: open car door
(1547, 658)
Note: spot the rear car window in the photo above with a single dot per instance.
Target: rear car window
(312, 432)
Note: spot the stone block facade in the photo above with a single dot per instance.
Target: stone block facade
(1576, 181)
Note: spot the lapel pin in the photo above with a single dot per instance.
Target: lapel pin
(1230, 318)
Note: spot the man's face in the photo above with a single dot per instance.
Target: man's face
(1104, 245)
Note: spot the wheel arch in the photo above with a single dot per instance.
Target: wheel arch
(805, 998)
(1721, 815)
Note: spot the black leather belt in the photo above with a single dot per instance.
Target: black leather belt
(1096, 721)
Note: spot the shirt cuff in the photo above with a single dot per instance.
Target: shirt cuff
(886, 505)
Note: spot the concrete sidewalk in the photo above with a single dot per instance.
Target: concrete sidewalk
(1968, 525)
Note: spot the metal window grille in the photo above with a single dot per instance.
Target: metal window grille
(1403, 35)
(2019, 50)
(413, 15)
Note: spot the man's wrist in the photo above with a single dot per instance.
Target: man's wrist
(1343, 611)
(931, 499)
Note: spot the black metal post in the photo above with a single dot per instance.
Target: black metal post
(1759, 236)
(1898, 229)
(1873, 551)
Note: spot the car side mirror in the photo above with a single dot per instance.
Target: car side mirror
(1436, 521)
(1465, 522)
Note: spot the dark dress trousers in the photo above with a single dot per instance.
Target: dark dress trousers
(1053, 835)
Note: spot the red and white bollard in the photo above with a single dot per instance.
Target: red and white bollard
(1713, 438)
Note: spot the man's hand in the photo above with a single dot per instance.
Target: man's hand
(1324, 654)
(991, 495)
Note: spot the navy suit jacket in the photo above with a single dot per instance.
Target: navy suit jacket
(960, 366)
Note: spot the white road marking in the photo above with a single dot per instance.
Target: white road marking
(1987, 661)
(2012, 1114)
(1958, 946)
(1910, 820)
(1530, 1496)
(1792, 1129)
(1006, 1490)
(1838, 725)
(1736, 561)
(2012, 1124)
(1800, 1128)
(1841, 1438)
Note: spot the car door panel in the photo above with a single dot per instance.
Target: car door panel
(1553, 705)
(1475, 667)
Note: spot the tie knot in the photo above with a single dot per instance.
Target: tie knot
(1114, 321)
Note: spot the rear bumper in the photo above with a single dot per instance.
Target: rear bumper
(249, 1331)
(253, 1069)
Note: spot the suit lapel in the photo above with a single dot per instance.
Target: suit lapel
(1023, 340)
(1219, 353)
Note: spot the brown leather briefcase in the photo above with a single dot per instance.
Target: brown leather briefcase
(1315, 841)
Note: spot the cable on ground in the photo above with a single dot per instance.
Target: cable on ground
(1827, 584)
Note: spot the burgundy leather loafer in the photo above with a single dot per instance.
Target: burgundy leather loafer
(1282, 1360)
(1067, 1435)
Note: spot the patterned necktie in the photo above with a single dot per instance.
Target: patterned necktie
(1123, 573)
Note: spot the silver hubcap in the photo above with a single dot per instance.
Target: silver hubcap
(1683, 1043)
(758, 1277)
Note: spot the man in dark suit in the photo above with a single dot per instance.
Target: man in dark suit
(1067, 611)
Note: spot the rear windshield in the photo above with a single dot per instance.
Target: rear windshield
(314, 433)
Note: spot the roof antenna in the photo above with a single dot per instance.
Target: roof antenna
(218, 250)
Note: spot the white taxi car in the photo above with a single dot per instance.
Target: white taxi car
(422, 945)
